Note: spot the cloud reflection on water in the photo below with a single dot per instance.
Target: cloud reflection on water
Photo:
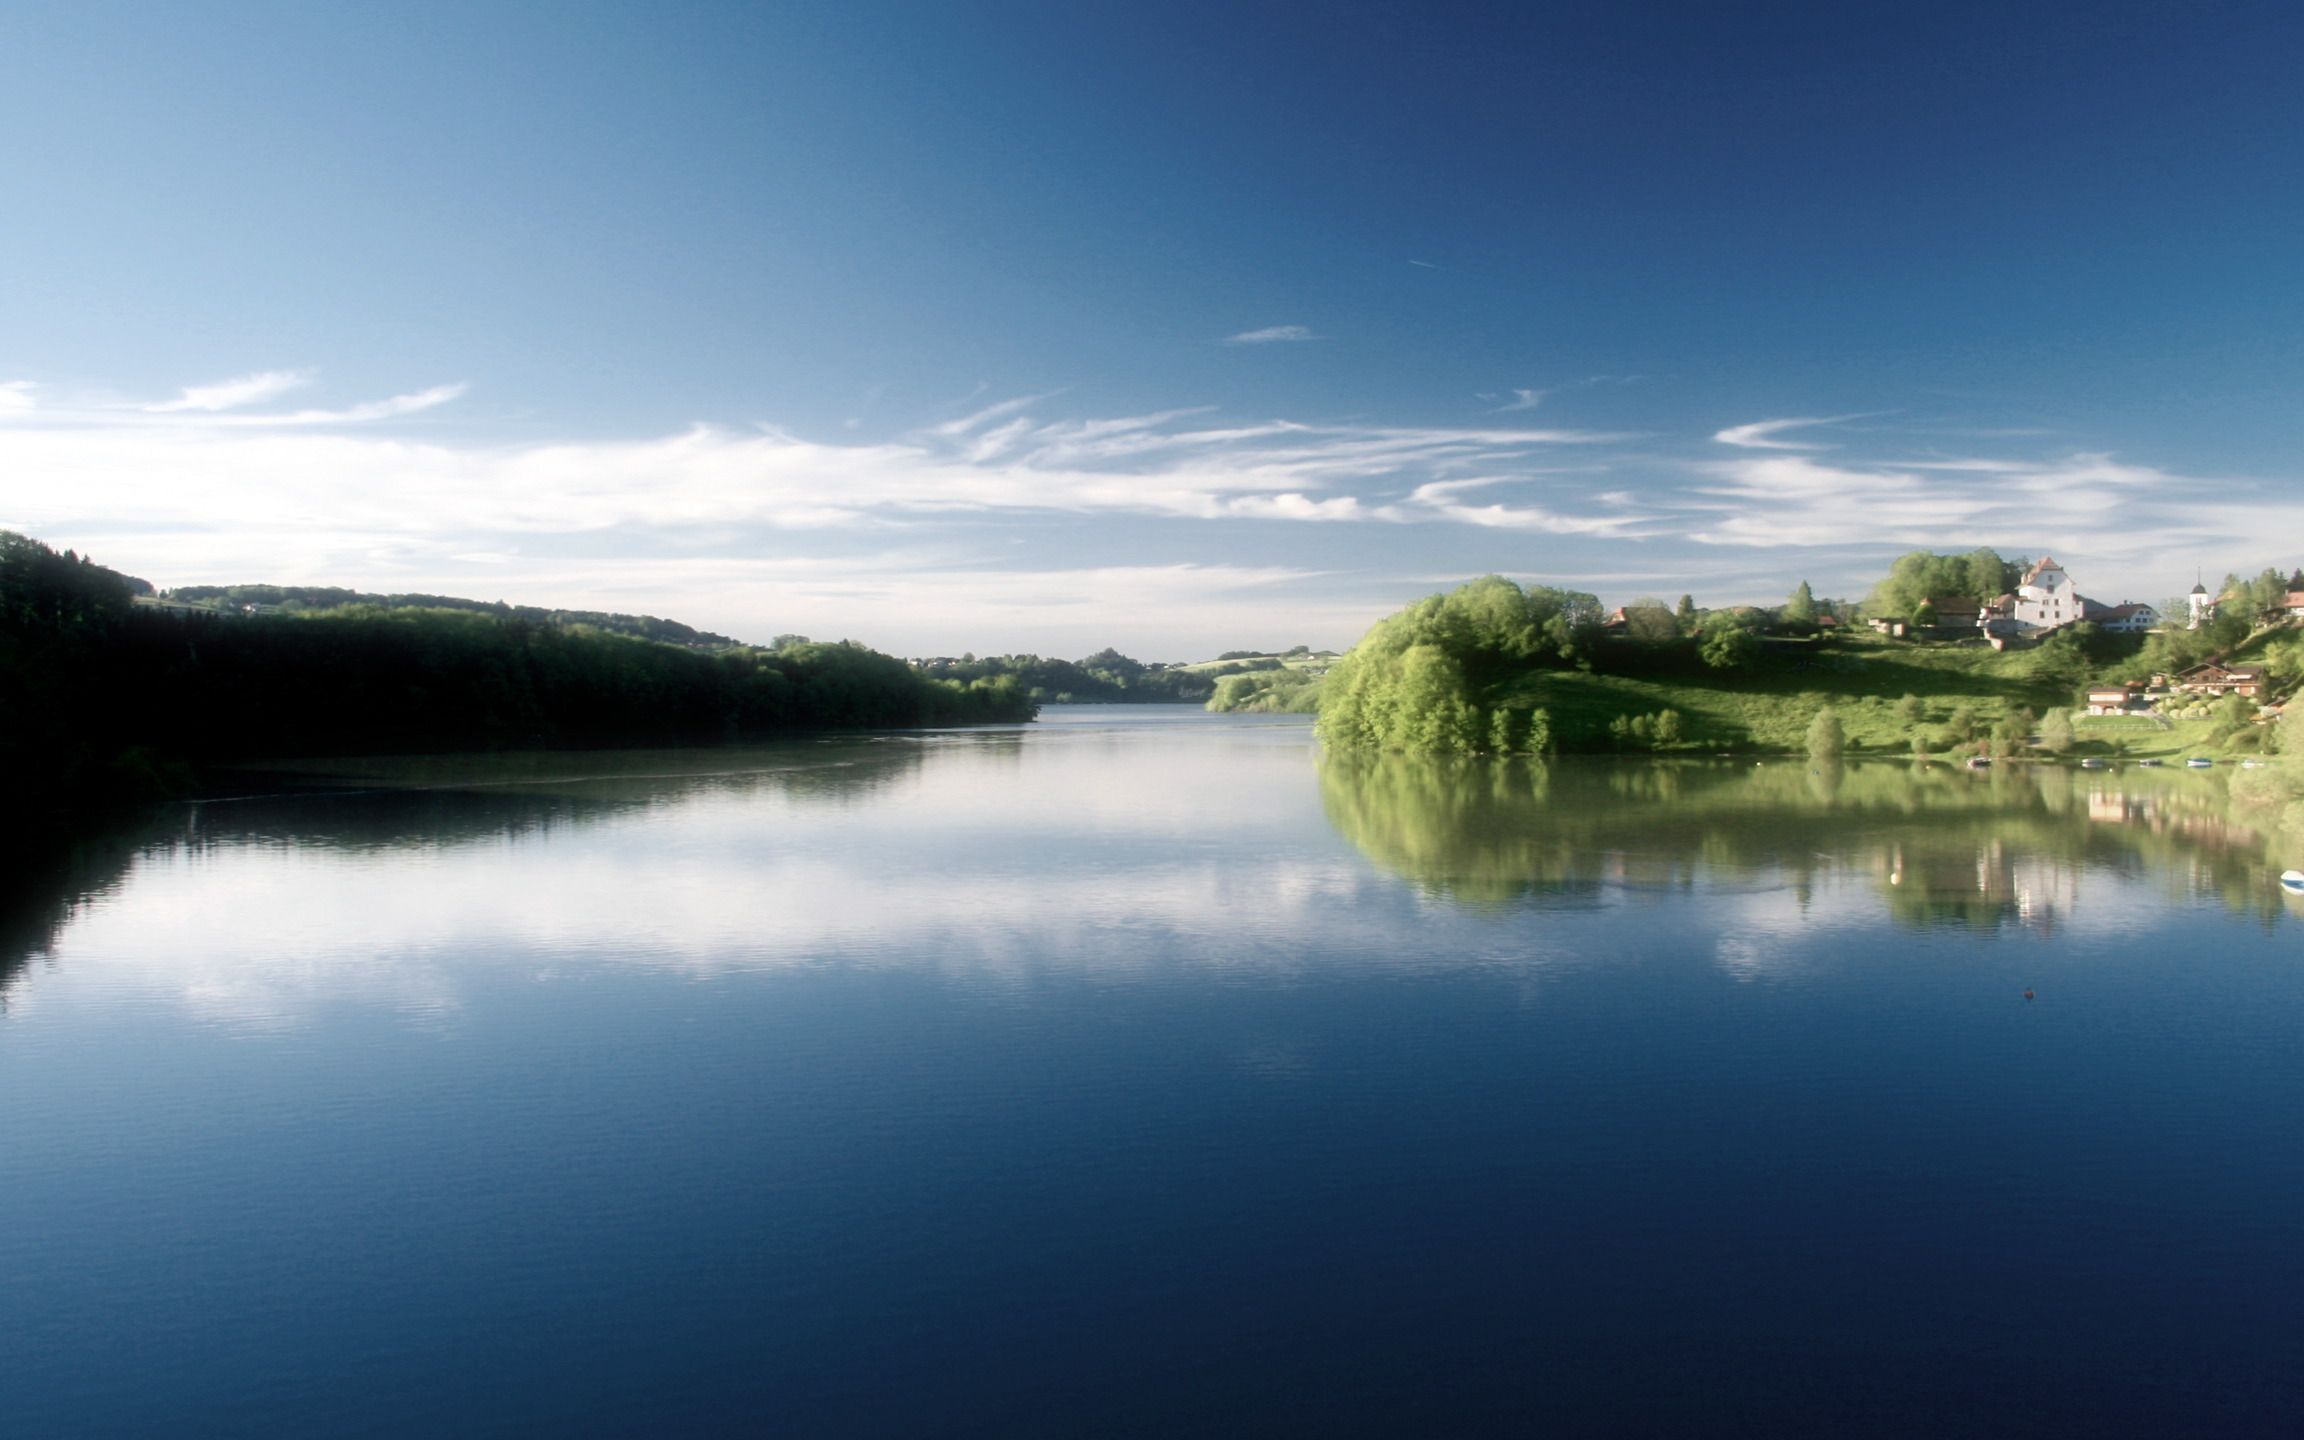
(1112, 853)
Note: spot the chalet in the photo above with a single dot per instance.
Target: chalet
(2129, 617)
(2217, 679)
(2118, 700)
(2291, 605)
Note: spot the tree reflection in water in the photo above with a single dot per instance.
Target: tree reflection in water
(437, 802)
(1944, 845)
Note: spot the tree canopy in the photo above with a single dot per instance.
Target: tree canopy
(1920, 574)
(1424, 678)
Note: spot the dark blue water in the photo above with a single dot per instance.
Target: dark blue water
(1136, 1074)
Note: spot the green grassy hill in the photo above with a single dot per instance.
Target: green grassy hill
(1286, 683)
(1768, 705)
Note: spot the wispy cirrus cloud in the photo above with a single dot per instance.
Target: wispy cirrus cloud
(210, 472)
(2118, 522)
(232, 394)
(348, 495)
(1272, 335)
(223, 405)
(388, 409)
(1761, 435)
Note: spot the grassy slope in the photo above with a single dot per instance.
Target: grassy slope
(1294, 688)
(1769, 706)
(1303, 665)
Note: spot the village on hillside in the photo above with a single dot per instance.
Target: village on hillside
(2045, 601)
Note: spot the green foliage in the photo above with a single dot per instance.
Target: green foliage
(1684, 614)
(1660, 731)
(1728, 642)
(2056, 735)
(1279, 691)
(1908, 710)
(1924, 616)
(1988, 576)
(1647, 622)
(1826, 737)
(1538, 739)
(1420, 679)
(2246, 599)
(317, 599)
(1106, 677)
(1978, 575)
(1801, 608)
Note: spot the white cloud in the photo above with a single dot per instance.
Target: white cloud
(708, 523)
(232, 394)
(391, 409)
(1521, 400)
(1760, 435)
(1271, 334)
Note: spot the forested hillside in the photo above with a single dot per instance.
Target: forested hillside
(104, 696)
(308, 599)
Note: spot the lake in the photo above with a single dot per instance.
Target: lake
(1141, 1072)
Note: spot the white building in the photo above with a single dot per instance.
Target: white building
(2046, 600)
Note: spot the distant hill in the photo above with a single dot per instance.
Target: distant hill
(1104, 678)
(305, 599)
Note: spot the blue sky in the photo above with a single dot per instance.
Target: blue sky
(1178, 328)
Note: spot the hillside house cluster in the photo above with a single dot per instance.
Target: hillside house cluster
(2046, 600)
(2211, 681)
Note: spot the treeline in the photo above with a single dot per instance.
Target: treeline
(1106, 677)
(1919, 575)
(105, 697)
(305, 599)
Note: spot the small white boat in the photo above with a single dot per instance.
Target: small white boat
(2292, 881)
(1979, 762)
(2093, 763)
(2198, 762)
(2251, 764)
(2154, 764)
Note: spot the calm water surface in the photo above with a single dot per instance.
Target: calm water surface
(1139, 1073)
